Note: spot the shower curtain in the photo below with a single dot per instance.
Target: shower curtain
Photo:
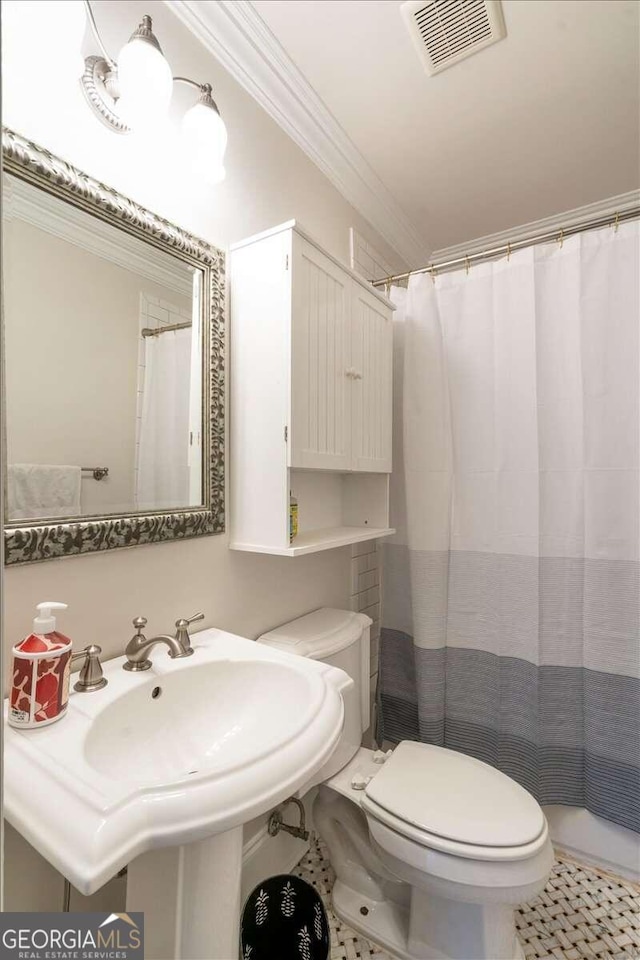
(511, 589)
(162, 455)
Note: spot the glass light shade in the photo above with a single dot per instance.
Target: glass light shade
(145, 82)
(205, 139)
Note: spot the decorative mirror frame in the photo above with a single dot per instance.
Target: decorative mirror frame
(29, 542)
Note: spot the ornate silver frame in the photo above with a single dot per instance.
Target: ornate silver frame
(26, 543)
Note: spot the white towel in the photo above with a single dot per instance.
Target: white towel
(42, 490)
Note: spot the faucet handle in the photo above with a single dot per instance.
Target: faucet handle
(182, 631)
(139, 623)
(91, 676)
(184, 622)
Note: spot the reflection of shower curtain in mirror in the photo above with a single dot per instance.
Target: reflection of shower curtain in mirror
(162, 474)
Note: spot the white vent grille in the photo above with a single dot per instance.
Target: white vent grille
(446, 31)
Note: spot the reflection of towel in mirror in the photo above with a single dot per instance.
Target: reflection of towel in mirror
(42, 490)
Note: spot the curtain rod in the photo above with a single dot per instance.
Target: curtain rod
(156, 331)
(508, 248)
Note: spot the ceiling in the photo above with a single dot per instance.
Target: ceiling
(541, 122)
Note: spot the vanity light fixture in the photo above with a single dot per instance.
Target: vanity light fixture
(134, 92)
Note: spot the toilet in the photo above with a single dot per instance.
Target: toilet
(432, 849)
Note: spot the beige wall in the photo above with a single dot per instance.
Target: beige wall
(269, 180)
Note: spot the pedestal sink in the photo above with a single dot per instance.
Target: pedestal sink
(180, 755)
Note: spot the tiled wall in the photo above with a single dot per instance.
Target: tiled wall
(365, 557)
(365, 598)
(366, 260)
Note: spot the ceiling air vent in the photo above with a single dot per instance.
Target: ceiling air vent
(446, 31)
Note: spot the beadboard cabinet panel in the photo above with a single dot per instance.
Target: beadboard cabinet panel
(371, 359)
(320, 394)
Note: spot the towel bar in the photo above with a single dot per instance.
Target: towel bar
(99, 473)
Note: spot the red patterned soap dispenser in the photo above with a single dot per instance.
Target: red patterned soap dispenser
(41, 670)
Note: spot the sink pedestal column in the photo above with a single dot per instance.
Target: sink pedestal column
(190, 897)
(208, 910)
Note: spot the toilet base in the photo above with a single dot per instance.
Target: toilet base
(387, 924)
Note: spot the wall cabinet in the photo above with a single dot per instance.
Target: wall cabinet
(310, 397)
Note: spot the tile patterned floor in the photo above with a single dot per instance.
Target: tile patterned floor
(583, 914)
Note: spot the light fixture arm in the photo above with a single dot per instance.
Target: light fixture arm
(96, 35)
(191, 83)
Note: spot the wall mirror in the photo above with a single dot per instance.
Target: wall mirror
(114, 367)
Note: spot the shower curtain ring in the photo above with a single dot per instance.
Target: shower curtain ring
(561, 238)
(508, 251)
(433, 272)
(466, 265)
(616, 222)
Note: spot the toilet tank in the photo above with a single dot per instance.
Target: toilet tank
(339, 638)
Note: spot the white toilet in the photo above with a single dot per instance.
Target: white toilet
(432, 849)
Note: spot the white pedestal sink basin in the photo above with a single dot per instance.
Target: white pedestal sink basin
(180, 755)
(207, 719)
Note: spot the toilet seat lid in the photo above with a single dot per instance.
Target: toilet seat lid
(456, 797)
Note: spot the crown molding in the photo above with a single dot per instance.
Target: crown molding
(236, 35)
(621, 203)
(22, 201)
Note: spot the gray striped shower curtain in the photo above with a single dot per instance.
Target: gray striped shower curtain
(511, 599)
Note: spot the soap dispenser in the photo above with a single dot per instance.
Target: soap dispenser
(40, 674)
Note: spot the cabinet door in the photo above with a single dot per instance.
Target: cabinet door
(371, 360)
(320, 383)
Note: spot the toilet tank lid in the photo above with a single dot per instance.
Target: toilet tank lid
(319, 634)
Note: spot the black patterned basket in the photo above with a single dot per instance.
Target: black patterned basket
(284, 919)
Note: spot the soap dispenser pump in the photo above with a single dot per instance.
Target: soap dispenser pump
(40, 674)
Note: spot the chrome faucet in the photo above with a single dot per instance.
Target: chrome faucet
(138, 647)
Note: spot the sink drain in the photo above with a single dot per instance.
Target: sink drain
(155, 693)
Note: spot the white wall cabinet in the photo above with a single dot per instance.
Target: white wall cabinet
(310, 397)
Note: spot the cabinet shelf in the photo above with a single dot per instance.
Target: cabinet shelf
(325, 538)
